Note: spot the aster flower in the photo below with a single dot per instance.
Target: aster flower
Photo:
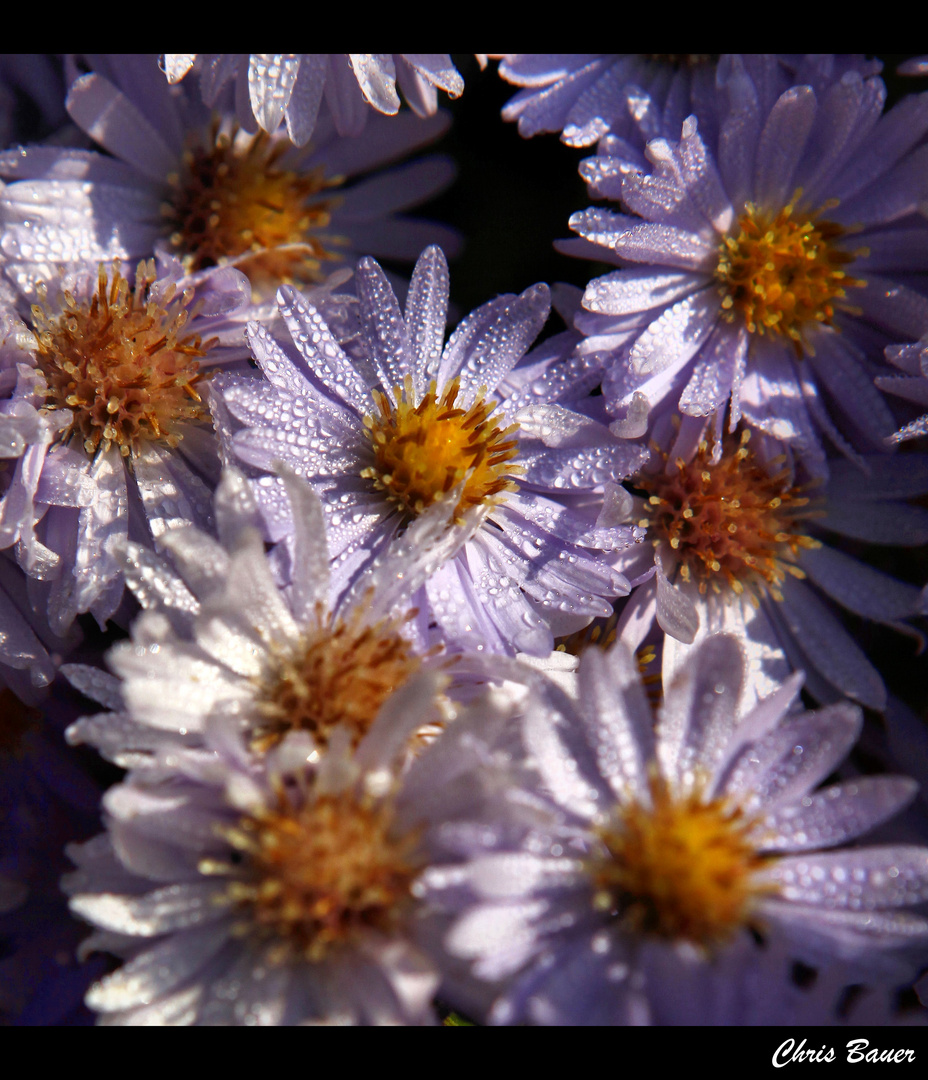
(272, 88)
(586, 96)
(631, 98)
(219, 638)
(912, 360)
(265, 890)
(744, 543)
(105, 418)
(769, 263)
(29, 651)
(199, 187)
(668, 852)
(398, 424)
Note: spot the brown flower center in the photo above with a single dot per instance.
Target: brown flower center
(784, 273)
(233, 201)
(319, 876)
(121, 364)
(341, 676)
(729, 523)
(423, 450)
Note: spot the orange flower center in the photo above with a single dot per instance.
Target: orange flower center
(341, 675)
(784, 273)
(729, 523)
(423, 450)
(121, 363)
(233, 201)
(678, 869)
(315, 878)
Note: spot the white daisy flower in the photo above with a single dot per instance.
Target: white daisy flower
(271, 890)
(219, 637)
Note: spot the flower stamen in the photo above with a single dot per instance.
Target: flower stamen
(784, 273)
(422, 450)
(318, 877)
(679, 869)
(340, 676)
(121, 364)
(729, 523)
(234, 202)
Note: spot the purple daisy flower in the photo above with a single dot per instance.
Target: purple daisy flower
(631, 98)
(273, 88)
(104, 412)
(586, 96)
(667, 852)
(198, 187)
(769, 263)
(219, 638)
(744, 544)
(912, 359)
(399, 422)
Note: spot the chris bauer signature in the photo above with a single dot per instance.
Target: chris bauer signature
(857, 1050)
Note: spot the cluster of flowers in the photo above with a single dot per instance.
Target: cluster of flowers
(470, 678)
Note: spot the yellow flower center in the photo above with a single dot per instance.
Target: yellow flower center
(729, 523)
(783, 273)
(423, 450)
(317, 877)
(120, 363)
(341, 675)
(232, 200)
(680, 869)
